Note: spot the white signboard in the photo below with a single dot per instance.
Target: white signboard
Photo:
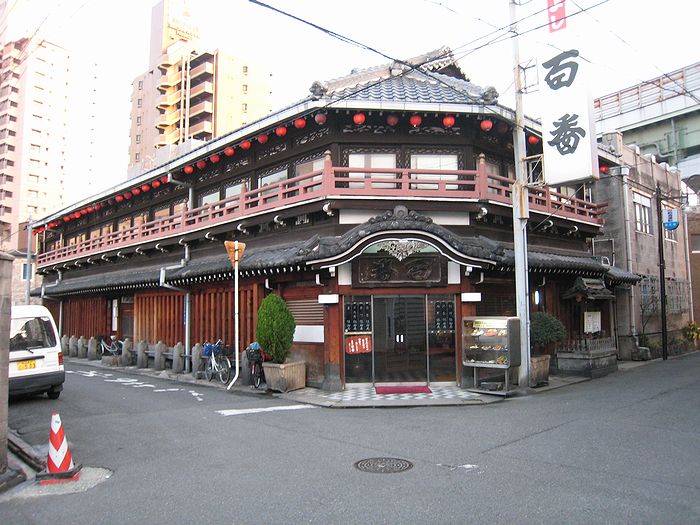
(568, 131)
(591, 322)
(670, 218)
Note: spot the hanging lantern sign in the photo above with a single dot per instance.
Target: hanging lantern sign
(670, 218)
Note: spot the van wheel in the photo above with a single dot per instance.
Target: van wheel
(53, 394)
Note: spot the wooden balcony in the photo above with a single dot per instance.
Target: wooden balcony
(329, 183)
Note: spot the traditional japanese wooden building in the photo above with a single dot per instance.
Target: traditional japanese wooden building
(379, 208)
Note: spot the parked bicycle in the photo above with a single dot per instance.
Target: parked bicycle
(114, 348)
(256, 357)
(217, 363)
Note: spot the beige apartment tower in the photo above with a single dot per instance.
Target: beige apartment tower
(34, 124)
(189, 92)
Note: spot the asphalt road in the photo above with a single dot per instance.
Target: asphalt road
(621, 449)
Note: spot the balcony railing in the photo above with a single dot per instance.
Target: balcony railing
(334, 182)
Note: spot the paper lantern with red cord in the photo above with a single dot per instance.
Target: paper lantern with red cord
(392, 120)
(300, 123)
(188, 170)
(229, 151)
(246, 144)
(415, 120)
(320, 118)
(486, 125)
(359, 118)
(280, 131)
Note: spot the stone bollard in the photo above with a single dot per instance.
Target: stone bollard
(73, 346)
(159, 360)
(64, 345)
(244, 378)
(178, 358)
(141, 355)
(92, 349)
(128, 357)
(197, 361)
(82, 347)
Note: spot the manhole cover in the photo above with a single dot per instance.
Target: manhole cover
(383, 465)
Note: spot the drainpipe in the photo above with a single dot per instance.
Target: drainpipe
(188, 301)
(628, 248)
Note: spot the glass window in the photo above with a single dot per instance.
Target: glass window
(271, 178)
(208, 198)
(431, 163)
(309, 166)
(642, 213)
(232, 190)
(695, 242)
(31, 333)
(373, 160)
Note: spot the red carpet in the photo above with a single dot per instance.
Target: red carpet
(408, 389)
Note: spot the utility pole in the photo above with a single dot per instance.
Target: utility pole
(29, 260)
(662, 273)
(520, 212)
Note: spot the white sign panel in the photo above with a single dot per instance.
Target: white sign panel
(670, 218)
(591, 322)
(568, 131)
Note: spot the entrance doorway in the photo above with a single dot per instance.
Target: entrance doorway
(400, 344)
(400, 339)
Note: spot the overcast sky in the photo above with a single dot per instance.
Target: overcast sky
(626, 41)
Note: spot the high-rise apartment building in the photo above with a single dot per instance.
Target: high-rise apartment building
(34, 94)
(190, 91)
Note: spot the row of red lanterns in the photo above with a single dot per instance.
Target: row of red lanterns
(486, 125)
(392, 120)
(137, 190)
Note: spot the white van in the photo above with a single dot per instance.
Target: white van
(36, 360)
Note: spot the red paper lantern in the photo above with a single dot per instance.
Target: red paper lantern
(110, 201)
(448, 121)
(90, 209)
(262, 139)
(532, 139)
(246, 144)
(164, 179)
(155, 183)
(415, 120)
(214, 158)
(188, 169)
(604, 169)
(201, 164)
(486, 125)
(128, 195)
(136, 191)
(320, 118)
(145, 187)
(118, 198)
(281, 131)
(358, 118)
(392, 120)
(502, 127)
(229, 151)
(300, 123)
(83, 212)
(66, 219)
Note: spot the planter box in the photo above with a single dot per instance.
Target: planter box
(594, 363)
(285, 377)
(539, 370)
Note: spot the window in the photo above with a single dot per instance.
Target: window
(372, 160)
(140, 85)
(140, 219)
(139, 103)
(33, 194)
(232, 190)
(642, 213)
(245, 88)
(208, 198)
(124, 224)
(271, 178)
(245, 70)
(138, 139)
(26, 271)
(671, 235)
(138, 120)
(34, 148)
(433, 162)
(244, 106)
(650, 295)
(137, 157)
(695, 242)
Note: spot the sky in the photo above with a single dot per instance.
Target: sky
(625, 42)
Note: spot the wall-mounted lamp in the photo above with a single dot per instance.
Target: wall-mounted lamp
(482, 213)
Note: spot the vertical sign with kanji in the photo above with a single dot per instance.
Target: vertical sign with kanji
(568, 130)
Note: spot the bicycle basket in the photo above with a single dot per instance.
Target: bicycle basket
(210, 348)
(252, 351)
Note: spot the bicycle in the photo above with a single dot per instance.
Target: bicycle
(115, 348)
(217, 363)
(256, 357)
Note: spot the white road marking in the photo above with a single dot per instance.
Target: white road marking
(132, 382)
(196, 395)
(167, 390)
(241, 411)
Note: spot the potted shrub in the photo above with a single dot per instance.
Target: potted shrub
(545, 329)
(275, 333)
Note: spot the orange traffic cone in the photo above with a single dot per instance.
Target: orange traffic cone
(59, 466)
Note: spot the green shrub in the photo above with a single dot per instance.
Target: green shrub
(545, 329)
(275, 328)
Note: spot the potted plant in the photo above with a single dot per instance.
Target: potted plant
(275, 333)
(545, 329)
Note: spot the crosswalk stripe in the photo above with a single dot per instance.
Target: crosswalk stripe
(241, 411)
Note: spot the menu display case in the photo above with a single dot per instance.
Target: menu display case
(490, 347)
